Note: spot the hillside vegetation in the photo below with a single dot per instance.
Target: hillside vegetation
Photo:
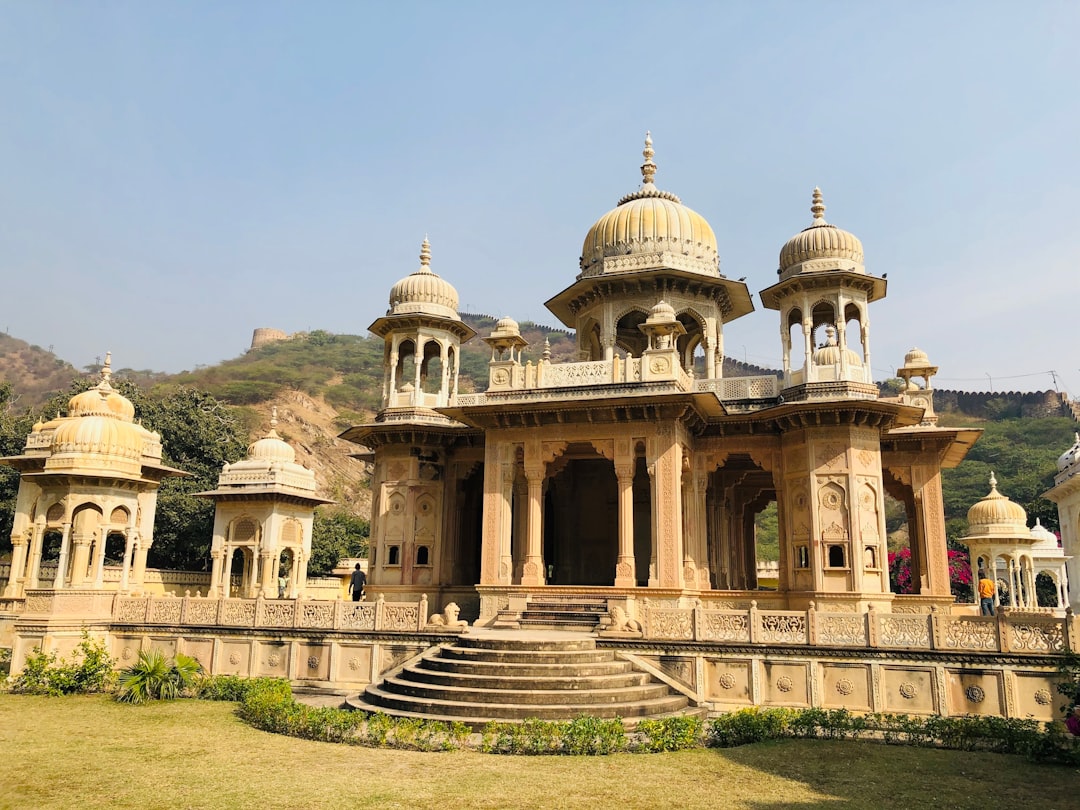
(34, 373)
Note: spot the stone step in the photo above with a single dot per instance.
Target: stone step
(392, 703)
(525, 696)
(515, 670)
(548, 624)
(520, 656)
(519, 681)
(531, 645)
(477, 723)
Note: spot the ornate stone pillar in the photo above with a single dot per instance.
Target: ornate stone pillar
(624, 566)
(80, 558)
(808, 346)
(217, 559)
(129, 551)
(532, 572)
(139, 574)
(37, 540)
(19, 549)
(61, 564)
(521, 525)
(268, 587)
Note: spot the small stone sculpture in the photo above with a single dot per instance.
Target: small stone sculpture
(448, 618)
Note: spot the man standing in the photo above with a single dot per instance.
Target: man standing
(986, 594)
(359, 580)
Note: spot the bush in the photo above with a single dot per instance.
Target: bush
(44, 674)
(153, 677)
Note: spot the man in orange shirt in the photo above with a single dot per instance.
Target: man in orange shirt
(986, 594)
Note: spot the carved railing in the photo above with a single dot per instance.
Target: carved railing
(1012, 632)
(733, 389)
(269, 614)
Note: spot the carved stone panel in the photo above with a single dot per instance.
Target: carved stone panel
(785, 684)
(846, 686)
(909, 690)
(727, 681)
(974, 692)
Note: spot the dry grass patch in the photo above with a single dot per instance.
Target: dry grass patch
(90, 752)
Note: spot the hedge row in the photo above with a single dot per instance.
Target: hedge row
(268, 704)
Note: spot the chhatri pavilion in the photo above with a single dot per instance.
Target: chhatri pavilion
(637, 471)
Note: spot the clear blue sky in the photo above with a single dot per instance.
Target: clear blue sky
(173, 175)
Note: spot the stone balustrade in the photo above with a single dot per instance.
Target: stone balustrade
(298, 614)
(1008, 632)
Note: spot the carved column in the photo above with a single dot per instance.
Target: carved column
(624, 565)
(521, 525)
(667, 507)
(80, 558)
(808, 346)
(34, 556)
(216, 569)
(139, 574)
(61, 564)
(532, 572)
(926, 484)
(19, 548)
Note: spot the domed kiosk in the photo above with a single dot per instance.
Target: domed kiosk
(87, 495)
(263, 517)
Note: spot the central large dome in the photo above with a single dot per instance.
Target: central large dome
(649, 222)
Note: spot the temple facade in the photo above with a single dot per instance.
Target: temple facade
(637, 471)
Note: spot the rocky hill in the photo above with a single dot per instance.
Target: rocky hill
(34, 373)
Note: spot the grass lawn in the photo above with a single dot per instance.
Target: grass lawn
(89, 752)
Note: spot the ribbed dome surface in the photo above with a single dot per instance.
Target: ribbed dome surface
(423, 292)
(820, 241)
(830, 356)
(997, 510)
(271, 448)
(650, 221)
(99, 435)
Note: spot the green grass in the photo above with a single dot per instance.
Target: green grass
(91, 752)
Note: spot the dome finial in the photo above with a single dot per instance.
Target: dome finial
(425, 253)
(993, 482)
(817, 207)
(273, 418)
(648, 168)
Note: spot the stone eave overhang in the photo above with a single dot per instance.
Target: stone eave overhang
(952, 444)
(733, 297)
(1064, 489)
(263, 493)
(34, 466)
(648, 406)
(418, 320)
(874, 287)
(380, 434)
(781, 418)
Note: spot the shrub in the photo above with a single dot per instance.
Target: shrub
(154, 677)
(91, 670)
(670, 734)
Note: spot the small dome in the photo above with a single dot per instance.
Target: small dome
(662, 311)
(821, 241)
(271, 447)
(650, 221)
(916, 358)
(506, 327)
(1043, 537)
(995, 509)
(829, 354)
(1070, 456)
(424, 292)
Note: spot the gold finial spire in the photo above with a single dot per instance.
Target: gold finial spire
(817, 207)
(993, 482)
(425, 253)
(106, 370)
(648, 168)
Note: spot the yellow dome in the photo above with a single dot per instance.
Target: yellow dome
(651, 221)
(424, 292)
(103, 399)
(997, 510)
(98, 435)
(821, 241)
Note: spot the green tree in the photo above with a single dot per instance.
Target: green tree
(337, 534)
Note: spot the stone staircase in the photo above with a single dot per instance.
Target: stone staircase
(497, 677)
(557, 612)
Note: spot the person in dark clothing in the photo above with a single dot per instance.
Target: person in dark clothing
(357, 583)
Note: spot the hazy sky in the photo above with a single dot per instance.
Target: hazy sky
(173, 175)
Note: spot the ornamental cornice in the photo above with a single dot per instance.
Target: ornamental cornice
(378, 435)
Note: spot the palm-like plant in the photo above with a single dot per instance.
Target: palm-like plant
(154, 677)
